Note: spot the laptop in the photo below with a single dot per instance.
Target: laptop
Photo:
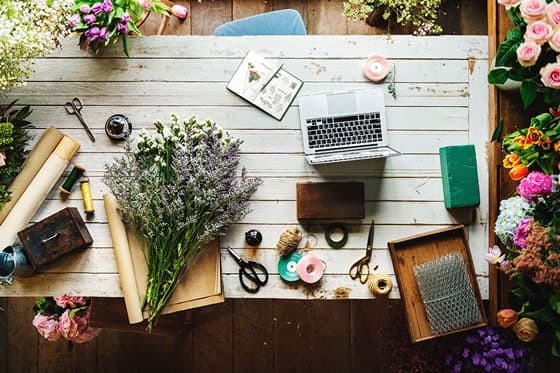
(344, 126)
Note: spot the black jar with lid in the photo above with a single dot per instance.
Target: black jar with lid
(118, 127)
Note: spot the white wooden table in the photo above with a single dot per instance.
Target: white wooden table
(441, 100)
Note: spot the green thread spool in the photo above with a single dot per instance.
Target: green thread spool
(76, 173)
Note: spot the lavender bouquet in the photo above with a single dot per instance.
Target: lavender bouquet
(179, 190)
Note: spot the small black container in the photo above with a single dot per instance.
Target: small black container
(118, 127)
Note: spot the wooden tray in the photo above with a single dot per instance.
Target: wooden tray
(410, 251)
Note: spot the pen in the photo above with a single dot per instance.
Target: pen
(270, 79)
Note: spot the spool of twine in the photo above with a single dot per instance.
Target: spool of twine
(75, 174)
(288, 241)
(86, 196)
(380, 284)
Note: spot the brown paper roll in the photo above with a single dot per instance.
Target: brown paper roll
(123, 258)
(36, 159)
(37, 191)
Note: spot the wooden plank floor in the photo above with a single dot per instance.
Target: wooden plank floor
(260, 336)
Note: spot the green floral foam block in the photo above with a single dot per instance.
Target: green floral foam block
(459, 176)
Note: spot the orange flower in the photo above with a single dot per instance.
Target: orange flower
(555, 112)
(507, 318)
(519, 140)
(518, 172)
(545, 143)
(557, 146)
(533, 137)
(511, 160)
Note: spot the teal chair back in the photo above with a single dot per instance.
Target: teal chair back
(279, 22)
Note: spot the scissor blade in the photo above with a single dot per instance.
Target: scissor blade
(370, 237)
(86, 127)
(234, 254)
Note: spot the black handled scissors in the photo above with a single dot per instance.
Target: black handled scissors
(252, 271)
(360, 269)
(74, 107)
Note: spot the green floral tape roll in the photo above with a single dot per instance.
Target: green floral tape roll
(332, 229)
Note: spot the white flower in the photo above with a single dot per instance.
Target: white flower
(494, 255)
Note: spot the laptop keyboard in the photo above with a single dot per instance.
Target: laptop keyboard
(329, 132)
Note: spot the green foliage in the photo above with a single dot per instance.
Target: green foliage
(528, 92)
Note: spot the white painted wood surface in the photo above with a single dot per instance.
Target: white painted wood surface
(441, 100)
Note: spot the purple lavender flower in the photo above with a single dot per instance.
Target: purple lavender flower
(122, 28)
(89, 19)
(84, 8)
(97, 8)
(73, 20)
(103, 33)
(92, 33)
(125, 18)
(107, 6)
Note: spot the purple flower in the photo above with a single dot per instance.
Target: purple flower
(89, 19)
(125, 18)
(73, 20)
(84, 8)
(521, 233)
(97, 8)
(122, 27)
(92, 33)
(535, 184)
(103, 33)
(107, 6)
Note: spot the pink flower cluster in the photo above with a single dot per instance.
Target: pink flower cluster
(543, 26)
(534, 185)
(72, 325)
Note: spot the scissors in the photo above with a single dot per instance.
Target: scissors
(360, 269)
(74, 107)
(252, 271)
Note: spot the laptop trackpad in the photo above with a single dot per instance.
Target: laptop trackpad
(341, 103)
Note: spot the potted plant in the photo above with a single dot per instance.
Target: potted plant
(419, 14)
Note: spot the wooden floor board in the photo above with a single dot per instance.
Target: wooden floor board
(117, 352)
(212, 336)
(292, 336)
(3, 334)
(23, 339)
(246, 8)
(325, 17)
(253, 340)
(55, 356)
(366, 346)
(207, 15)
(330, 336)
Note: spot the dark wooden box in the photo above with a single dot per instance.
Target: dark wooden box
(330, 200)
(55, 236)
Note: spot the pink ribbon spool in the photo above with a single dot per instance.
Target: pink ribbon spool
(310, 269)
(376, 68)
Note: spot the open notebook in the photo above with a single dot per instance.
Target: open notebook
(265, 84)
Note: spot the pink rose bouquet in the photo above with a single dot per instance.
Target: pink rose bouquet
(529, 54)
(64, 316)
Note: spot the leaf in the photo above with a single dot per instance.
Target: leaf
(507, 50)
(125, 45)
(555, 305)
(518, 73)
(544, 314)
(498, 76)
(133, 28)
(528, 92)
(555, 348)
(498, 131)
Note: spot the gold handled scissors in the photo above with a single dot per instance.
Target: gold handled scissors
(74, 107)
(360, 269)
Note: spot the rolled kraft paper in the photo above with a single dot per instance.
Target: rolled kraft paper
(123, 258)
(310, 269)
(37, 191)
(376, 68)
(36, 159)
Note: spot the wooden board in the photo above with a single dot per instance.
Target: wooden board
(409, 252)
(441, 100)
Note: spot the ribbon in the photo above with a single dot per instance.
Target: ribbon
(376, 68)
(310, 269)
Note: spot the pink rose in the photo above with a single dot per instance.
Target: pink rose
(528, 53)
(554, 41)
(553, 14)
(533, 10)
(67, 327)
(179, 11)
(550, 75)
(47, 326)
(2, 159)
(68, 301)
(509, 3)
(146, 4)
(539, 32)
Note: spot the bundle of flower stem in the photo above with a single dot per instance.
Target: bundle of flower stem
(179, 190)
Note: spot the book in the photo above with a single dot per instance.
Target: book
(201, 286)
(265, 84)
